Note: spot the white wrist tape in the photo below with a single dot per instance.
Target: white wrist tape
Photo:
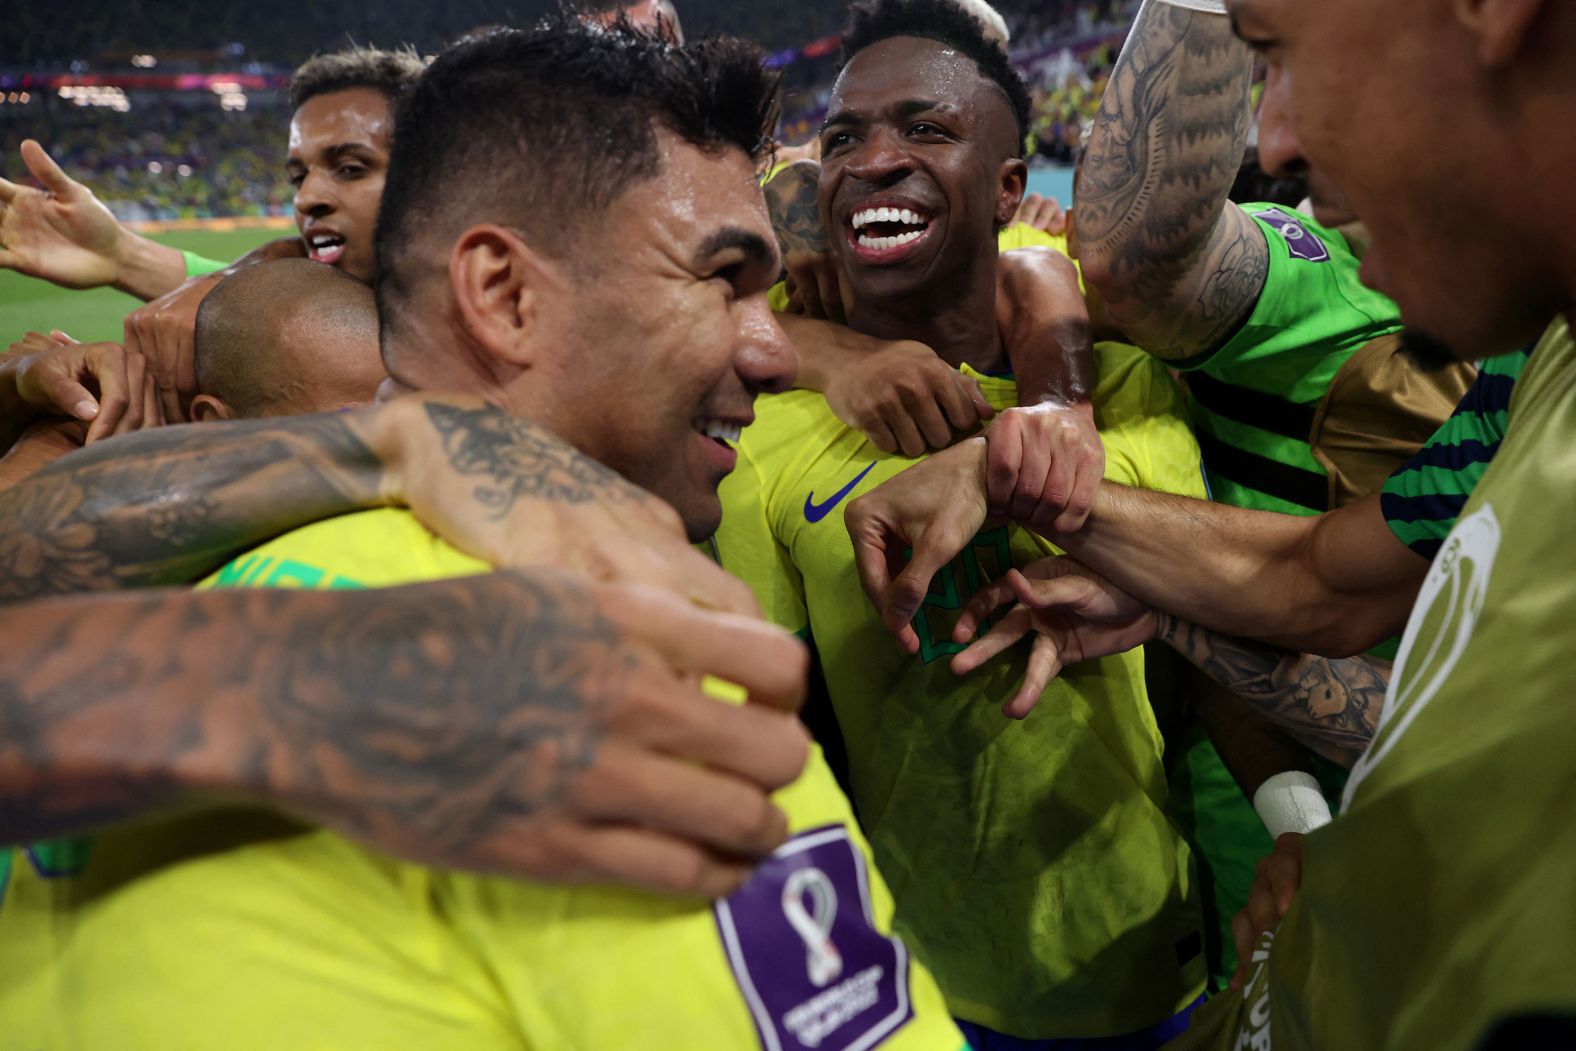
(1208, 7)
(1291, 802)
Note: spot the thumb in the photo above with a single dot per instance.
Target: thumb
(909, 588)
(44, 168)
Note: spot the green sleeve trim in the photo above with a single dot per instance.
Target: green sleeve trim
(1411, 533)
(198, 265)
(1434, 481)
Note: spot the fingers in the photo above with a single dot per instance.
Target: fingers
(1033, 473)
(1004, 462)
(905, 431)
(631, 856)
(928, 416)
(630, 785)
(9, 191)
(766, 661)
(965, 406)
(1242, 934)
(978, 609)
(44, 168)
(1045, 663)
(1085, 485)
(120, 386)
(1006, 632)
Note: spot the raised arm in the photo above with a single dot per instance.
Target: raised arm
(1177, 265)
(65, 235)
(533, 724)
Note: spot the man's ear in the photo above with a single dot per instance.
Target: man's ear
(1500, 27)
(206, 409)
(1012, 180)
(502, 287)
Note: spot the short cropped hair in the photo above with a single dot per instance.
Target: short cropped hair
(946, 22)
(389, 73)
(541, 130)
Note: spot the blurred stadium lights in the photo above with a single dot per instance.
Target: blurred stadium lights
(144, 61)
(98, 95)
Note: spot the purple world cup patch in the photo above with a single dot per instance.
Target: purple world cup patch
(802, 941)
(1300, 242)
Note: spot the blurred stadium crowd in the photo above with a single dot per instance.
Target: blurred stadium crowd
(185, 153)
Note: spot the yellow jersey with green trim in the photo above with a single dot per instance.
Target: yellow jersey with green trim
(1035, 870)
(243, 930)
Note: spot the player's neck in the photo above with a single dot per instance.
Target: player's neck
(958, 324)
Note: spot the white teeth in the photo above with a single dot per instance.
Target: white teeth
(325, 240)
(864, 218)
(728, 432)
(880, 243)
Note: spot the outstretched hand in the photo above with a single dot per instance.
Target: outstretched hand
(1074, 614)
(62, 233)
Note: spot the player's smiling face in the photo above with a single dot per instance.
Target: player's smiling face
(672, 335)
(917, 166)
(1384, 104)
(339, 155)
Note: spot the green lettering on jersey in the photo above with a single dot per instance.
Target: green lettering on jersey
(988, 556)
(243, 572)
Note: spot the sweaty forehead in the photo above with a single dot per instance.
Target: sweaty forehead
(695, 193)
(355, 115)
(891, 72)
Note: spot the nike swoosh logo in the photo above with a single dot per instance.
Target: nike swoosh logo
(814, 512)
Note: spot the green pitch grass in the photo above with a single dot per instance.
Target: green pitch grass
(27, 303)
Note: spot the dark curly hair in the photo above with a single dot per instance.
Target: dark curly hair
(945, 22)
(389, 73)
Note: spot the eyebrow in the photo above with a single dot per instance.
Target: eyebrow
(904, 109)
(755, 247)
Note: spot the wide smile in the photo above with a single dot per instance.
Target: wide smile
(887, 235)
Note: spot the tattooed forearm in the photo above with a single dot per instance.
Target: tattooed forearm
(517, 460)
(793, 200)
(1324, 702)
(1178, 266)
(415, 714)
(167, 505)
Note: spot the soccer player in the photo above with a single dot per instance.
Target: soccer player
(337, 154)
(669, 343)
(281, 338)
(1382, 963)
(1033, 865)
(1301, 395)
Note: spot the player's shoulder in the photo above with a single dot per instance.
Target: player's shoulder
(384, 547)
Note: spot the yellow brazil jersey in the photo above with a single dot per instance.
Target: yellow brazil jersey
(1034, 868)
(241, 930)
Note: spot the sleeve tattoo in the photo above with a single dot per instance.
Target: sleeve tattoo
(1178, 265)
(1326, 703)
(485, 693)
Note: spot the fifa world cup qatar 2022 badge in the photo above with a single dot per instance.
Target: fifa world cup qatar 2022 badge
(1299, 242)
(802, 941)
